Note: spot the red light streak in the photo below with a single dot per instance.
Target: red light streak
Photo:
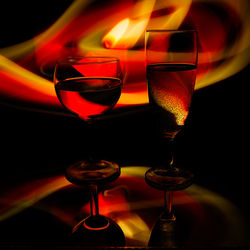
(133, 204)
(118, 30)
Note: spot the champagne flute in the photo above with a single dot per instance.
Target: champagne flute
(89, 87)
(171, 61)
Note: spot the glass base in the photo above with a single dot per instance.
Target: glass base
(164, 234)
(92, 172)
(98, 231)
(171, 179)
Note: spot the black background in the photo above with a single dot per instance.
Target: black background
(214, 144)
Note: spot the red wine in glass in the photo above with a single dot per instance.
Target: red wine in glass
(89, 96)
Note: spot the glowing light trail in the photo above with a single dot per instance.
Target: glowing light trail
(118, 30)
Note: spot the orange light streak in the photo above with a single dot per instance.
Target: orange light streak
(124, 203)
(17, 200)
(118, 30)
(16, 80)
(111, 39)
(127, 32)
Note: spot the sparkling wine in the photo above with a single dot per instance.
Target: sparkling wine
(170, 89)
(89, 96)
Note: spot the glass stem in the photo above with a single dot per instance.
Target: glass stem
(94, 206)
(168, 195)
(169, 149)
(168, 205)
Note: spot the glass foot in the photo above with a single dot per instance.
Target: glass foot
(164, 234)
(98, 231)
(92, 172)
(171, 179)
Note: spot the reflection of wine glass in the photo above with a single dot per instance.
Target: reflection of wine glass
(171, 58)
(89, 87)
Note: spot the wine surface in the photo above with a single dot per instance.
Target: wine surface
(87, 96)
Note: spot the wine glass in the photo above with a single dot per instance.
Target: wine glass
(88, 87)
(171, 61)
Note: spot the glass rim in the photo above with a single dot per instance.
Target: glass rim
(66, 60)
(172, 30)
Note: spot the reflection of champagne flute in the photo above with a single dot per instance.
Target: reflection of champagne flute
(171, 70)
(89, 87)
